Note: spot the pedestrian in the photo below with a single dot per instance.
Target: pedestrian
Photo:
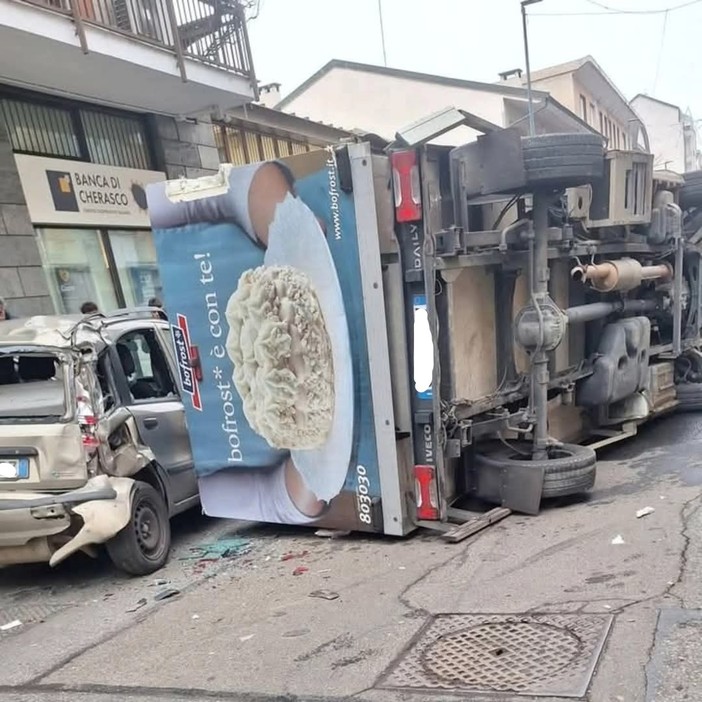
(89, 308)
(4, 314)
(159, 312)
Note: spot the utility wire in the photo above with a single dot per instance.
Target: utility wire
(382, 32)
(609, 11)
(660, 51)
(622, 11)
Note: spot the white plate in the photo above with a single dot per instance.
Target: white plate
(295, 239)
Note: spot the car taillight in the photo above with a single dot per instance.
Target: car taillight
(427, 493)
(406, 186)
(88, 426)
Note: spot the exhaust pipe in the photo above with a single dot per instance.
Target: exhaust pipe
(623, 274)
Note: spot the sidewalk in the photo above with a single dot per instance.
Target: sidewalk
(256, 633)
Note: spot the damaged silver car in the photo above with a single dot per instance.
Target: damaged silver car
(94, 448)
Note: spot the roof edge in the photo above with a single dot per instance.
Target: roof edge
(401, 73)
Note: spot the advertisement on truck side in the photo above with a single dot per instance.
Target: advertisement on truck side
(261, 275)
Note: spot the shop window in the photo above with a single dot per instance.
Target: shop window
(135, 260)
(75, 263)
(39, 129)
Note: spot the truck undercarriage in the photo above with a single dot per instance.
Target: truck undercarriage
(553, 290)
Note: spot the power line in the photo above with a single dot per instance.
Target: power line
(382, 32)
(660, 51)
(661, 11)
(609, 11)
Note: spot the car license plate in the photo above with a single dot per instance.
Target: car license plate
(14, 469)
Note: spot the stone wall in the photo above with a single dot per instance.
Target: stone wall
(22, 279)
(185, 148)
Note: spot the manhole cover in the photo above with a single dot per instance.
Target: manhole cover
(538, 655)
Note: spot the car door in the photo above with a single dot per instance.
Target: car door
(154, 400)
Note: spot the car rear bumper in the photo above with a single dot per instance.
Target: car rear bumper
(25, 516)
(93, 514)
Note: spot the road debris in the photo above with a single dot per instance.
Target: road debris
(11, 625)
(300, 570)
(248, 637)
(195, 616)
(325, 594)
(159, 581)
(618, 540)
(331, 533)
(166, 594)
(291, 555)
(141, 603)
(644, 512)
(222, 548)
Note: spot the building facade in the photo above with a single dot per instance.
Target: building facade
(672, 134)
(584, 88)
(382, 100)
(98, 99)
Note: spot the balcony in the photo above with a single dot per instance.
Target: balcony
(176, 57)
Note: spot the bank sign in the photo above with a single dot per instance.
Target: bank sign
(87, 194)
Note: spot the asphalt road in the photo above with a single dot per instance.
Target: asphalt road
(244, 627)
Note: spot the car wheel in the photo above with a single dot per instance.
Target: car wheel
(563, 160)
(691, 191)
(689, 397)
(569, 470)
(142, 547)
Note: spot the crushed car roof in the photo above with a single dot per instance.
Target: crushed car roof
(56, 331)
(73, 331)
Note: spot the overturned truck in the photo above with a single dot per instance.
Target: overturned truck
(488, 316)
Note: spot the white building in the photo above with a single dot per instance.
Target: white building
(382, 100)
(672, 134)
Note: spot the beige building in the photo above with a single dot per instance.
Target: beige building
(583, 87)
(382, 100)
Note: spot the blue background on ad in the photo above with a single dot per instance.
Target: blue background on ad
(232, 252)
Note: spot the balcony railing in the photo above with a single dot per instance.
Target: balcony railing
(210, 31)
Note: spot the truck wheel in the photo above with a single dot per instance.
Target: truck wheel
(142, 547)
(569, 470)
(563, 160)
(689, 397)
(691, 191)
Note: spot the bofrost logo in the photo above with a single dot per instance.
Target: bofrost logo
(181, 342)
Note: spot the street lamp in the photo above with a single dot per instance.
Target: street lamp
(524, 3)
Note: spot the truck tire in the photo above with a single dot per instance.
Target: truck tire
(570, 469)
(689, 397)
(563, 160)
(142, 547)
(691, 191)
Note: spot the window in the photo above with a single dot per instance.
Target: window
(61, 129)
(114, 140)
(145, 366)
(583, 107)
(40, 129)
(76, 266)
(244, 144)
(136, 265)
(31, 387)
(593, 113)
(602, 124)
